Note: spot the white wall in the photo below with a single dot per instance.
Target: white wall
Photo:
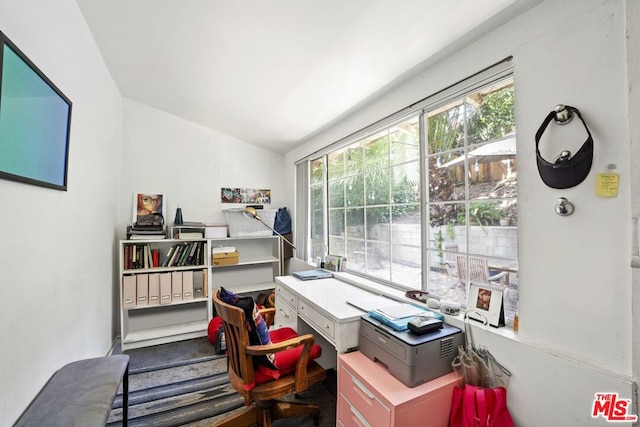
(576, 334)
(633, 66)
(57, 253)
(189, 164)
(59, 260)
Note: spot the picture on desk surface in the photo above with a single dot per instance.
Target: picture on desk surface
(488, 299)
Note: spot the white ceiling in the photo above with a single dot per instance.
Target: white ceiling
(274, 72)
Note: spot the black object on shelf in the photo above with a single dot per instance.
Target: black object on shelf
(178, 220)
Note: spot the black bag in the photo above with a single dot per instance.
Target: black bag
(282, 222)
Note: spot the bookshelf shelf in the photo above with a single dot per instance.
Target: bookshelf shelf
(151, 307)
(154, 336)
(145, 321)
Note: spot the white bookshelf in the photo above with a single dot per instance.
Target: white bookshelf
(143, 325)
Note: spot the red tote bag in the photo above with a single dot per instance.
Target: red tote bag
(479, 407)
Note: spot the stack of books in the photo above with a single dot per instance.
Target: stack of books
(182, 254)
(188, 230)
(146, 232)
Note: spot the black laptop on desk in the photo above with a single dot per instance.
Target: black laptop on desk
(318, 273)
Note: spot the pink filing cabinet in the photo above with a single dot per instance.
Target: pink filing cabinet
(369, 396)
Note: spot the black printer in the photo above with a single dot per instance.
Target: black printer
(412, 359)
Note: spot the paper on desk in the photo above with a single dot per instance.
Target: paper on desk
(400, 310)
(369, 303)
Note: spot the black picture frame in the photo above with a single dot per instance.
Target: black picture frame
(35, 122)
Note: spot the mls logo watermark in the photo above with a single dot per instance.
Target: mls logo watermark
(612, 408)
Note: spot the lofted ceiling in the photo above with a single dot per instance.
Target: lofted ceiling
(275, 72)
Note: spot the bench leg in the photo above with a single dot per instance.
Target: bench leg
(125, 397)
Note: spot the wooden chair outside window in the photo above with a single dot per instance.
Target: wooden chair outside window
(479, 271)
(261, 406)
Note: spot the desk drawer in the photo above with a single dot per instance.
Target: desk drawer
(322, 322)
(288, 297)
(285, 315)
(348, 415)
(360, 402)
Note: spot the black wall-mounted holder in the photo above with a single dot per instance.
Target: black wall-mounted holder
(566, 170)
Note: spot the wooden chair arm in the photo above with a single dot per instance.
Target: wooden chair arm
(261, 350)
(308, 340)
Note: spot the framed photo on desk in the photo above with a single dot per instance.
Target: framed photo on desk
(488, 299)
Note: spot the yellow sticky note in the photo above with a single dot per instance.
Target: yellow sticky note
(607, 184)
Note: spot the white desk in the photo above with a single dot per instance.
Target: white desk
(320, 307)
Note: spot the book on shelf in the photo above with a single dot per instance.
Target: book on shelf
(146, 237)
(192, 253)
(188, 235)
(168, 256)
(189, 224)
(148, 257)
(195, 258)
(176, 256)
(155, 254)
(146, 232)
(183, 256)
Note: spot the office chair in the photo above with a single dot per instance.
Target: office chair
(293, 356)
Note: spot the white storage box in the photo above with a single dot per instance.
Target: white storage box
(242, 226)
(212, 231)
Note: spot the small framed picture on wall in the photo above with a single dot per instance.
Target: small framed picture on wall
(489, 300)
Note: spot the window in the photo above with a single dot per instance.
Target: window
(429, 199)
(373, 190)
(472, 194)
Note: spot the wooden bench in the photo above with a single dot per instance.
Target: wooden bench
(80, 393)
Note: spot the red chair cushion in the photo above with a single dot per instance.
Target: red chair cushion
(285, 360)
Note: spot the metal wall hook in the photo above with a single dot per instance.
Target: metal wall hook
(564, 207)
(563, 114)
(563, 157)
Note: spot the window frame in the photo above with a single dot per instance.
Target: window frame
(490, 75)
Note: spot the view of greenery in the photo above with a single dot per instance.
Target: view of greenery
(372, 205)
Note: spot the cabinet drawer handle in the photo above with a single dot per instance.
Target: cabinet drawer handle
(359, 416)
(284, 313)
(326, 326)
(363, 388)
